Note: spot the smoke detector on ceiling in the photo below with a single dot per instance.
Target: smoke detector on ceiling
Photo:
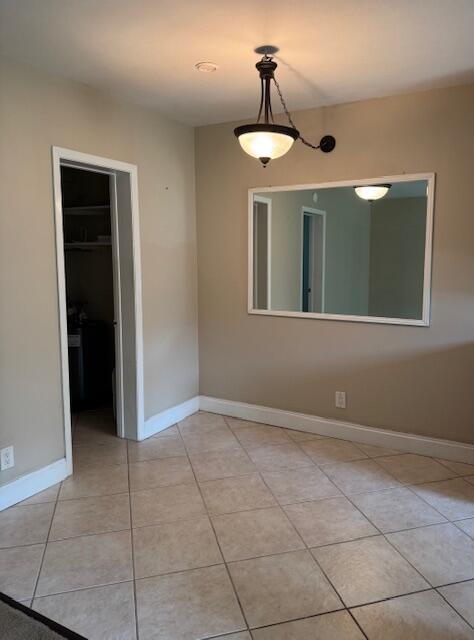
(206, 67)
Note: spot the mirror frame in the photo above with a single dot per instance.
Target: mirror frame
(425, 319)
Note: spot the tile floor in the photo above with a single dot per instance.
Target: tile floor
(222, 528)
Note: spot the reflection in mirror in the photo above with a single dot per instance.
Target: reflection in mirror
(334, 251)
(262, 266)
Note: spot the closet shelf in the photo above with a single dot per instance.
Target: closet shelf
(86, 245)
(87, 210)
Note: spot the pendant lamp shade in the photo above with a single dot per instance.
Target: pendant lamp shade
(266, 141)
(373, 191)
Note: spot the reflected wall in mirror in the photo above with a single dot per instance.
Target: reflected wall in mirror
(329, 251)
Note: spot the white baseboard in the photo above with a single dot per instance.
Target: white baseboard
(167, 418)
(408, 442)
(31, 483)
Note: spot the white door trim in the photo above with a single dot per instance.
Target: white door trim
(268, 202)
(71, 157)
(118, 338)
(310, 211)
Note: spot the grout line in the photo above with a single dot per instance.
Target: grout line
(189, 483)
(430, 505)
(94, 444)
(434, 590)
(437, 589)
(75, 589)
(389, 598)
(408, 561)
(45, 547)
(94, 586)
(230, 634)
(87, 535)
(463, 519)
(132, 549)
(24, 546)
(81, 466)
(175, 571)
(103, 495)
(357, 623)
(13, 507)
(417, 484)
(226, 477)
(443, 462)
(99, 495)
(451, 584)
(160, 459)
(461, 529)
(218, 543)
(314, 615)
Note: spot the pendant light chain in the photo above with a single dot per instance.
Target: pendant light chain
(290, 119)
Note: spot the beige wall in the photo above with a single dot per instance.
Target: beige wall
(412, 379)
(36, 112)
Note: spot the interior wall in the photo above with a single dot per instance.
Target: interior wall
(397, 240)
(347, 251)
(37, 111)
(410, 379)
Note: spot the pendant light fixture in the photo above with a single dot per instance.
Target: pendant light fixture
(372, 192)
(264, 139)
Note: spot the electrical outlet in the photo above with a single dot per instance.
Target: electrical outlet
(7, 458)
(340, 399)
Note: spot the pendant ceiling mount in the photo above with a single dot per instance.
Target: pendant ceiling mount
(265, 139)
(267, 50)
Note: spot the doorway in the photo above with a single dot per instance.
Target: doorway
(99, 291)
(313, 262)
(262, 253)
(90, 302)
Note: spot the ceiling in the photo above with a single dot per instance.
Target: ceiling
(331, 51)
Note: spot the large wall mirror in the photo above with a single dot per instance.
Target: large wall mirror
(358, 251)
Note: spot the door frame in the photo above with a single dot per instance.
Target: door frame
(268, 202)
(77, 159)
(310, 211)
